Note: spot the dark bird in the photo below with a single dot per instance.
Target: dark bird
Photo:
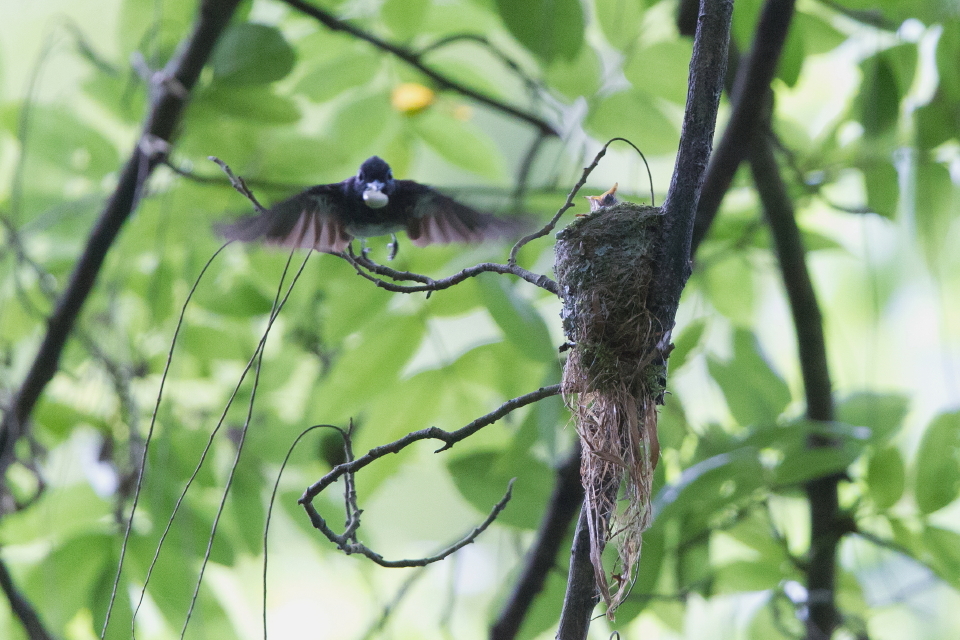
(328, 217)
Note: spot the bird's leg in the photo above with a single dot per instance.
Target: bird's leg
(394, 246)
(364, 249)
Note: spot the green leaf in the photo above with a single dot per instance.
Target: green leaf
(802, 463)
(883, 189)
(744, 575)
(634, 115)
(517, 317)
(60, 145)
(686, 342)
(250, 53)
(883, 414)
(363, 121)
(79, 511)
(620, 20)
(404, 18)
(707, 487)
(886, 477)
(791, 58)
(580, 76)
(336, 66)
(948, 52)
(937, 121)
(941, 550)
(259, 104)
(755, 393)
(548, 28)
(936, 201)
(77, 563)
(936, 467)
(661, 69)
(819, 36)
(482, 479)
(729, 285)
(879, 96)
(461, 143)
(238, 299)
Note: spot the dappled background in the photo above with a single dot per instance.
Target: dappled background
(867, 115)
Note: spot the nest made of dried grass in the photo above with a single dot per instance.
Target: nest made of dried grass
(613, 375)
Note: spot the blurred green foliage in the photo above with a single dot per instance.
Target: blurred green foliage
(868, 118)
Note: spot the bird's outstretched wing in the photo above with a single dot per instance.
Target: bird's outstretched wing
(434, 218)
(311, 219)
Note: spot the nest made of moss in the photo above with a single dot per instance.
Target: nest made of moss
(613, 375)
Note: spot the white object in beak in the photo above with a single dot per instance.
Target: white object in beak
(374, 197)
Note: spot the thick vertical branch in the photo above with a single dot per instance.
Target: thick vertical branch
(172, 90)
(749, 96)
(826, 526)
(672, 261)
(564, 504)
(708, 68)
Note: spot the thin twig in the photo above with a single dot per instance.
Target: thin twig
(348, 546)
(361, 265)
(449, 438)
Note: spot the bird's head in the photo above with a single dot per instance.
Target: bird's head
(375, 182)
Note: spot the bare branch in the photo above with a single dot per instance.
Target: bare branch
(449, 438)
(363, 264)
(751, 92)
(347, 545)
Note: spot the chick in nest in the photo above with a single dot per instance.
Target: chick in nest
(607, 199)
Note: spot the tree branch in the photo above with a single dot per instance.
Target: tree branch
(672, 260)
(22, 608)
(707, 70)
(363, 265)
(542, 557)
(449, 438)
(825, 517)
(750, 93)
(415, 60)
(173, 86)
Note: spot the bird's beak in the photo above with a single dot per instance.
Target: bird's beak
(373, 195)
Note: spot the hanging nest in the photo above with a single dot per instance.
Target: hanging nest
(613, 376)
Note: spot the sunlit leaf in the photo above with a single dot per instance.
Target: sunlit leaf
(936, 467)
(461, 143)
(404, 17)
(634, 115)
(686, 342)
(886, 477)
(620, 20)
(883, 414)
(661, 70)
(941, 550)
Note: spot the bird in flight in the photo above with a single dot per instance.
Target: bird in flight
(327, 217)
